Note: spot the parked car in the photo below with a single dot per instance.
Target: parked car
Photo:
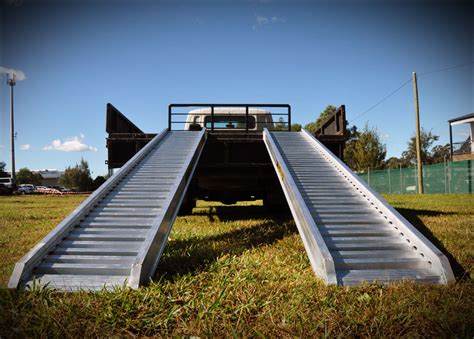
(60, 188)
(25, 189)
(7, 186)
(47, 190)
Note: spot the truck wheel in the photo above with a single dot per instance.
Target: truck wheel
(275, 207)
(187, 207)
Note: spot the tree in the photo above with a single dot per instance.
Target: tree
(393, 162)
(323, 116)
(365, 150)
(352, 133)
(98, 181)
(2, 169)
(78, 177)
(281, 125)
(295, 127)
(426, 140)
(25, 176)
(440, 153)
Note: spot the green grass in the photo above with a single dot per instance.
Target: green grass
(24, 220)
(237, 270)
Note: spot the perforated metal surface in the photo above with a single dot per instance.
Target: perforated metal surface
(367, 240)
(133, 218)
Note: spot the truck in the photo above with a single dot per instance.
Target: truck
(234, 165)
(7, 186)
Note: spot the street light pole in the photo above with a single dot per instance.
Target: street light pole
(418, 139)
(11, 82)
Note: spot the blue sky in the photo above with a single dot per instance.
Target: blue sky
(142, 55)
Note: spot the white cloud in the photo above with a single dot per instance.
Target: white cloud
(263, 21)
(74, 144)
(25, 147)
(276, 19)
(10, 72)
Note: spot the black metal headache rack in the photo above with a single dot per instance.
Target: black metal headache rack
(244, 117)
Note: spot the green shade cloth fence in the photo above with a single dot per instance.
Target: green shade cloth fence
(448, 177)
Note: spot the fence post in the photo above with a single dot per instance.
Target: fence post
(368, 175)
(389, 183)
(449, 176)
(445, 177)
(469, 175)
(401, 180)
(417, 189)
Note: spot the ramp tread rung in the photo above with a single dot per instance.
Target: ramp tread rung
(106, 237)
(356, 277)
(375, 253)
(119, 251)
(102, 259)
(75, 282)
(380, 263)
(85, 269)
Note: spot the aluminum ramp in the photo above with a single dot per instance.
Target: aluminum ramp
(116, 236)
(350, 233)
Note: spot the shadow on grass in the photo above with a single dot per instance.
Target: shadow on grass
(412, 216)
(429, 213)
(195, 254)
(234, 213)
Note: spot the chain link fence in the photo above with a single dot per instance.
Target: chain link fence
(447, 177)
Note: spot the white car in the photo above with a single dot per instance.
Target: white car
(25, 189)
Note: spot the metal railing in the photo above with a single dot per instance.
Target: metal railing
(463, 147)
(280, 124)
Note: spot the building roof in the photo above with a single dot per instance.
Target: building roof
(50, 173)
(464, 117)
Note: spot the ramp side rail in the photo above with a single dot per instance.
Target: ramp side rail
(148, 258)
(414, 237)
(24, 267)
(321, 259)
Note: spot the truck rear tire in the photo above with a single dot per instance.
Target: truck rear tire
(187, 207)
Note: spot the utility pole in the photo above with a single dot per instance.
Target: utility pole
(418, 140)
(11, 82)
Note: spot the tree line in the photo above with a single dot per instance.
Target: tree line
(365, 150)
(77, 178)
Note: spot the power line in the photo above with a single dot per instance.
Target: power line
(407, 82)
(379, 102)
(446, 69)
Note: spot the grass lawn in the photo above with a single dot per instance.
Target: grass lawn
(238, 270)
